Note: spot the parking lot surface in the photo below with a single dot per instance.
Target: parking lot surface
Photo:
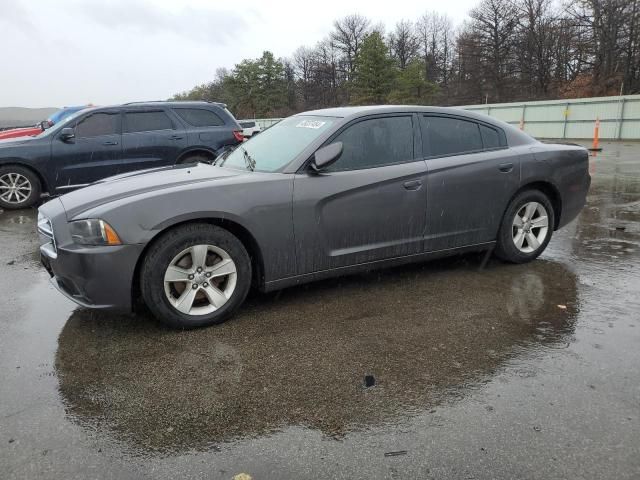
(439, 370)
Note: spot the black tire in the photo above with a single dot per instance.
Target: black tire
(33, 182)
(164, 251)
(195, 158)
(506, 248)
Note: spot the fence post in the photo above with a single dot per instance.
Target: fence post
(524, 111)
(620, 119)
(566, 116)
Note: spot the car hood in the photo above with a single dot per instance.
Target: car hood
(19, 132)
(140, 182)
(15, 141)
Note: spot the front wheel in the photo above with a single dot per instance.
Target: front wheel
(526, 228)
(196, 275)
(19, 187)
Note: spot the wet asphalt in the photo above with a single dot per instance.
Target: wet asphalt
(439, 370)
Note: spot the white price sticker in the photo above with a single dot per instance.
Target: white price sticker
(310, 124)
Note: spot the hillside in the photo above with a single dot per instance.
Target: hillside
(19, 116)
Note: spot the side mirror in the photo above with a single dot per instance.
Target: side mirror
(67, 134)
(44, 125)
(326, 156)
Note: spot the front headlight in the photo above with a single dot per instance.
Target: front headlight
(93, 232)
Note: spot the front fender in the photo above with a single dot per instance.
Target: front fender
(261, 205)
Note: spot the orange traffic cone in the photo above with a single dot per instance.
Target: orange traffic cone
(596, 133)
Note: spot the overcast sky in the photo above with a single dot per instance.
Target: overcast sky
(70, 52)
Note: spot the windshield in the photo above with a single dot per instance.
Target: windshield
(60, 125)
(276, 147)
(62, 114)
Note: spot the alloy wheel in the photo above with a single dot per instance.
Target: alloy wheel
(530, 227)
(14, 188)
(200, 279)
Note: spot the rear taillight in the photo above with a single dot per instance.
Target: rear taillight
(237, 134)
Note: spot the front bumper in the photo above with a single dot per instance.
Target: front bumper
(94, 277)
(91, 276)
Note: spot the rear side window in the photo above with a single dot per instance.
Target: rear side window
(98, 124)
(247, 124)
(375, 143)
(146, 121)
(490, 137)
(450, 136)
(199, 117)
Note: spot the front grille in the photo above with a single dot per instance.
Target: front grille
(46, 230)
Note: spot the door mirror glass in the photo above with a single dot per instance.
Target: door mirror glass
(326, 156)
(67, 134)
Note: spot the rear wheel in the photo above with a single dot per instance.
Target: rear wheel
(196, 275)
(526, 228)
(19, 187)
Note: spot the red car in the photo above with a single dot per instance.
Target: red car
(37, 129)
(20, 132)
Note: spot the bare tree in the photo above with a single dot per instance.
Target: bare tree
(537, 32)
(606, 21)
(436, 41)
(494, 24)
(347, 37)
(404, 43)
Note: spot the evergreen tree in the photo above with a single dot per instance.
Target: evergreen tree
(411, 86)
(374, 71)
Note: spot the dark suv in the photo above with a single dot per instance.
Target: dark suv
(105, 141)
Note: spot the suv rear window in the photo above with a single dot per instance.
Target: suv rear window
(199, 117)
(146, 121)
(247, 124)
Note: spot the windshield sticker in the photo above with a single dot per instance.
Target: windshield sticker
(310, 124)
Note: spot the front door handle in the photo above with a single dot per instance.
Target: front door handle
(412, 185)
(506, 167)
(176, 137)
(110, 142)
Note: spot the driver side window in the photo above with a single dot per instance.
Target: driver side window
(98, 124)
(375, 143)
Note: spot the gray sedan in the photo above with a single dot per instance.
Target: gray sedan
(321, 194)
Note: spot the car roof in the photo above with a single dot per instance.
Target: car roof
(173, 103)
(177, 103)
(346, 112)
(514, 135)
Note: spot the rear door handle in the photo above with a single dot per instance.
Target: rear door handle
(506, 167)
(176, 137)
(110, 142)
(412, 185)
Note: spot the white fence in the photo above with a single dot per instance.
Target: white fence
(619, 117)
(571, 119)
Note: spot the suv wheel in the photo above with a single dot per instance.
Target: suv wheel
(526, 228)
(196, 276)
(19, 187)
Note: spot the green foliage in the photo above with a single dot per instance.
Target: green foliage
(258, 87)
(411, 86)
(374, 71)
(254, 88)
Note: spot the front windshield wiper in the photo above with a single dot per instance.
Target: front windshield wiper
(249, 162)
(222, 157)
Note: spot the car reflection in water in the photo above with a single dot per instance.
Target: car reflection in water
(428, 334)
